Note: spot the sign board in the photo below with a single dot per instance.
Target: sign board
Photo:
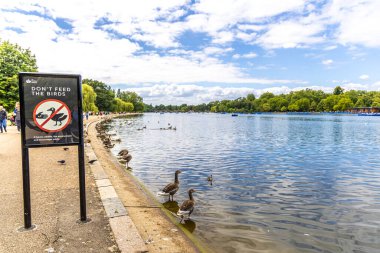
(51, 115)
(50, 109)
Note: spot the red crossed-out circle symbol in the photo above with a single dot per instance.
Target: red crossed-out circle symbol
(52, 115)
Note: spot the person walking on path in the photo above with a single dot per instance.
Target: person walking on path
(17, 116)
(3, 119)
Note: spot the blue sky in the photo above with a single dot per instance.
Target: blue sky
(179, 51)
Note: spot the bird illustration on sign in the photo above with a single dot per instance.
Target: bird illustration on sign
(59, 117)
(52, 115)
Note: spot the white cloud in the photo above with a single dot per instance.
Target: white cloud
(364, 77)
(247, 56)
(327, 62)
(357, 21)
(291, 34)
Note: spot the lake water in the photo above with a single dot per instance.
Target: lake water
(282, 183)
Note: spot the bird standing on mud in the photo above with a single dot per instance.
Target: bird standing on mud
(187, 206)
(172, 188)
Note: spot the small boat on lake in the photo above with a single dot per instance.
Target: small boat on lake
(234, 115)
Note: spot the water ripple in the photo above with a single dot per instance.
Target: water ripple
(282, 183)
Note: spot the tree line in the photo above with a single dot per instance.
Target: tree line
(306, 100)
(97, 96)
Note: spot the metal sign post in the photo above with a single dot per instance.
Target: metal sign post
(51, 115)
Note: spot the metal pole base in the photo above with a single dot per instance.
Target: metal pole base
(23, 229)
(84, 221)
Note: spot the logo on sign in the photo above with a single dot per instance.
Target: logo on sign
(51, 115)
(31, 81)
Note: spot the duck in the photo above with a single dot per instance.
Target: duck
(210, 179)
(172, 188)
(59, 117)
(187, 206)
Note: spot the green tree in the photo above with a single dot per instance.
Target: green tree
(344, 104)
(251, 97)
(376, 102)
(330, 102)
(122, 106)
(13, 59)
(89, 98)
(104, 95)
(303, 104)
(293, 108)
(132, 97)
(360, 102)
(338, 90)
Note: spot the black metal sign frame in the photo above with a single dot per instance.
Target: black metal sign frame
(25, 147)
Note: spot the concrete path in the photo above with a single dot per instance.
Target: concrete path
(55, 203)
(127, 237)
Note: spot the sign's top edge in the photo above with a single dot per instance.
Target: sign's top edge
(47, 74)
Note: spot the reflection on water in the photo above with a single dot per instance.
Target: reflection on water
(281, 183)
(189, 225)
(172, 206)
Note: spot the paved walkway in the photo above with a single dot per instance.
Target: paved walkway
(55, 203)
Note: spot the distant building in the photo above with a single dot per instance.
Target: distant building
(365, 110)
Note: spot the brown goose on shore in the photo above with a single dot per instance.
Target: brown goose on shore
(172, 188)
(123, 152)
(127, 158)
(187, 206)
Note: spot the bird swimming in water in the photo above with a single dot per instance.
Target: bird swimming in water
(187, 206)
(92, 161)
(65, 149)
(59, 117)
(210, 179)
(61, 162)
(172, 188)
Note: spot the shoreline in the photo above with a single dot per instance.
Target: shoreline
(161, 234)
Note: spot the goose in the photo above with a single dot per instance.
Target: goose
(187, 206)
(128, 158)
(123, 152)
(172, 188)
(59, 117)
